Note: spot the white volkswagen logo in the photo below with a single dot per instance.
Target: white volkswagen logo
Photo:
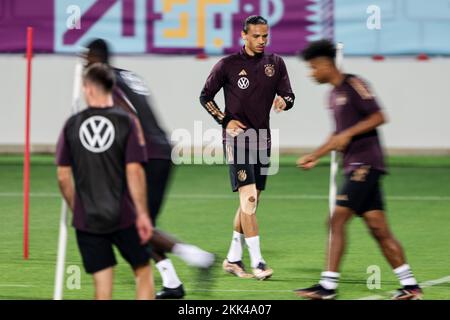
(97, 134)
(243, 83)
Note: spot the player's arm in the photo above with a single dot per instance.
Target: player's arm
(309, 161)
(135, 155)
(340, 141)
(214, 83)
(64, 169)
(285, 96)
(365, 102)
(65, 183)
(374, 120)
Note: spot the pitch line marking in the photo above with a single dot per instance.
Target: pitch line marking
(425, 284)
(15, 286)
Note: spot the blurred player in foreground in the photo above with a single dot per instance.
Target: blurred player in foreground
(357, 116)
(132, 94)
(253, 82)
(102, 149)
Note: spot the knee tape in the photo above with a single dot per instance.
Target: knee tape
(248, 204)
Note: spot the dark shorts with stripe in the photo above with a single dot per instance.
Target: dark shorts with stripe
(98, 254)
(361, 191)
(247, 166)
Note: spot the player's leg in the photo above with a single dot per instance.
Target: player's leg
(248, 198)
(249, 206)
(233, 263)
(98, 259)
(144, 283)
(238, 174)
(377, 223)
(103, 282)
(138, 256)
(378, 227)
(190, 254)
(349, 201)
(337, 237)
(158, 173)
(336, 243)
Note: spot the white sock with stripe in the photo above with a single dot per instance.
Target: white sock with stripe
(329, 280)
(405, 275)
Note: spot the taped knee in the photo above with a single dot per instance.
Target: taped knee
(249, 205)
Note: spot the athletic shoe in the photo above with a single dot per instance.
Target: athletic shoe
(168, 293)
(408, 293)
(261, 272)
(316, 292)
(237, 268)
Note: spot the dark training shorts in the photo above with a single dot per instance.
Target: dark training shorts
(361, 191)
(247, 166)
(97, 249)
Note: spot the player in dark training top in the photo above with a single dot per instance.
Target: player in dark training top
(133, 95)
(103, 148)
(357, 116)
(253, 82)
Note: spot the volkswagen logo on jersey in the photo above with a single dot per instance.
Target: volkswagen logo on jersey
(243, 83)
(97, 134)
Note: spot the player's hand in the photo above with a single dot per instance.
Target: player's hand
(235, 128)
(279, 104)
(307, 162)
(144, 227)
(340, 141)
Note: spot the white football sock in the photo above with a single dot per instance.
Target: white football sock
(405, 275)
(254, 250)
(168, 274)
(329, 280)
(193, 256)
(235, 252)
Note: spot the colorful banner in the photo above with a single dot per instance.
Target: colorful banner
(154, 26)
(213, 26)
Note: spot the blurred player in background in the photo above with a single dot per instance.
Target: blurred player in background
(357, 116)
(251, 79)
(102, 148)
(133, 95)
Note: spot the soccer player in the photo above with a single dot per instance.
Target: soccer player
(357, 116)
(102, 148)
(251, 79)
(132, 94)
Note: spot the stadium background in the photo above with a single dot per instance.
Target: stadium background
(413, 90)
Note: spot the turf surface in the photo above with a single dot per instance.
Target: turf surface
(200, 208)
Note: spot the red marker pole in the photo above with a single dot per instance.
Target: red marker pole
(26, 162)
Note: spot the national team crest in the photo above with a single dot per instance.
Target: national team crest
(269, 70)
(242, 175)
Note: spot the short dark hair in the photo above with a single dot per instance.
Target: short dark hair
(253, 20)
(100, 74)
(321, 48)
(100, 49)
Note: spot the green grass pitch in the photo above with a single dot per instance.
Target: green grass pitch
(200, 209)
